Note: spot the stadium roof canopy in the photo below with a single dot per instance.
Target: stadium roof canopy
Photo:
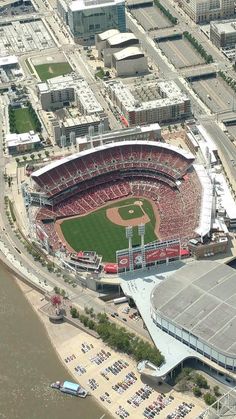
(187, 155)
(201, 298)
(205, 218)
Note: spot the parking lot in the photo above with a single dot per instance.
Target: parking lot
(217, 95)
(180, 53)
(24, 36)
(151, 18)
(15, 10)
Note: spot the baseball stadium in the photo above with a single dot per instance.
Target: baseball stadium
(90, 197)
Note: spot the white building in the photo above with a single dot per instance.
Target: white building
(9, 61)
(150, 102)
(146, 133)
(206, 10)
(113, 44)
(129, 62)
(101, 38)
(63, 90)
(223, 34)
(21, 143)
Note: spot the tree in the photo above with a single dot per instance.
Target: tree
(197, 392)
(216, 390)
(32, 156)
(102, 317)
(91, 324)
(24, 158)
(39, 155)
(57, 290)
(200, 381)
(17, 160)
(56, 300)
(209, 398)
(46, 153)
(74, 313)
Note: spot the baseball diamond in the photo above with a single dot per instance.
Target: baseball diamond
(94, 194)
(103, 230)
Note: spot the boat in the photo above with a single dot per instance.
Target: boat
(70, 388)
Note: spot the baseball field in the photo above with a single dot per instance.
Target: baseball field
(104, 229)
(50, 70)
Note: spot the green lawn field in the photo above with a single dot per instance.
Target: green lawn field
(96, 232)
(24, 121)
(50, 70)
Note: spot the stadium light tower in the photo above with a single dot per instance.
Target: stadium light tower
(129, 235)
(141, 233)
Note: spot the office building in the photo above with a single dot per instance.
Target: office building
(223, 34)
(86, 18)
(22, 143)
(202, 11)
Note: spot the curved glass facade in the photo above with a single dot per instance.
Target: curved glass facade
(85, 24)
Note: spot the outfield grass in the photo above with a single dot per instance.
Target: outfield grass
(96, 232)
(24, 121)
(126, 215)
(50, 70)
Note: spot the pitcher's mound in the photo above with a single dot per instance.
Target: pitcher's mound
(131, 211)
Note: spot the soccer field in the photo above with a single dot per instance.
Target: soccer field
(96, 232)
(48, 71)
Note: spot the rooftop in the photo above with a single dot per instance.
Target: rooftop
(79, 85)
(128, 52)
(107, 34)
(120, 38)
(78, 5)
(195, 296)
(225, 26)
(171, 94)
(8, 60)
(14, 140)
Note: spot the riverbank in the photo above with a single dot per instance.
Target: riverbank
(86, 358)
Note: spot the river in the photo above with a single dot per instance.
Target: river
(28, 364)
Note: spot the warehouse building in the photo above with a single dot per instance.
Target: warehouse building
(86, 18)
(151, 102)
